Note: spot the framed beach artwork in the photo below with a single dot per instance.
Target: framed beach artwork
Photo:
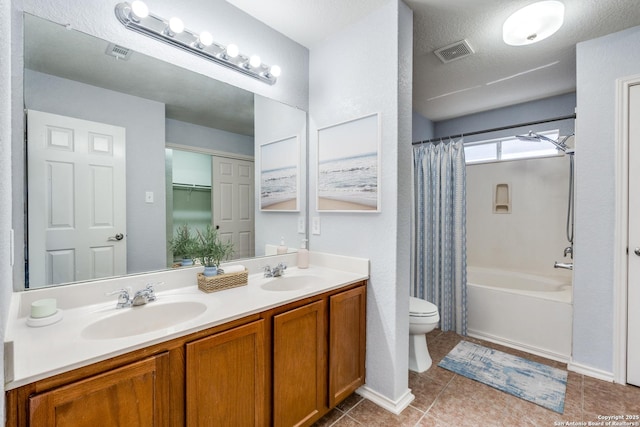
(349, 166)
(279, 175)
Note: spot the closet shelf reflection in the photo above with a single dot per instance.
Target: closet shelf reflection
(191, 187)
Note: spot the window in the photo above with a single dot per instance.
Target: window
(511, 148)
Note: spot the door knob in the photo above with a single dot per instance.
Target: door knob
(120, 236)
(636, 251)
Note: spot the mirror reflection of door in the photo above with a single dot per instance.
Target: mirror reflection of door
(233, 204)
(213, 190)
(77, 199)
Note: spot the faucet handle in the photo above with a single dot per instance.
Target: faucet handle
(150, 290)
(124, 296)
(120, 292)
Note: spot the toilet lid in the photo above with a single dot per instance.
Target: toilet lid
(420, 307)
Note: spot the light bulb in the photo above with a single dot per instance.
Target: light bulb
(255, 61)
(176, 25)
(533, 23)
(232, 50)
(139, 9)
(275, 71)
(206, 39)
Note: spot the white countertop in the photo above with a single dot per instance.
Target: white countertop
(34, 353)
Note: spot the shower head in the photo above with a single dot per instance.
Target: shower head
(532, 136)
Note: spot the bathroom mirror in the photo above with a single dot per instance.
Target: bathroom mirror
(162, 109)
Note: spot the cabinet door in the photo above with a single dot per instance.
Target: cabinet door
(226, 378)
(299, 364)
(133, 395)
(347, 337)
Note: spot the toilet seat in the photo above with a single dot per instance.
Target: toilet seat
(421, 308)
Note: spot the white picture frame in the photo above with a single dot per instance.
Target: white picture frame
(348, 168)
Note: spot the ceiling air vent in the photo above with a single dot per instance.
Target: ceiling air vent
(454, 51)
(119, 52)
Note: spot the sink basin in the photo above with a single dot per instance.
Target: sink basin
(140, 320)
(292, 283)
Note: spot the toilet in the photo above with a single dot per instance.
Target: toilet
(423, 318)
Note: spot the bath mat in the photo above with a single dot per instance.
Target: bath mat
(528, 380)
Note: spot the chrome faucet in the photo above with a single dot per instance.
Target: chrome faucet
(568, 250)
(141, 297)
(565, 265)
(276, 271)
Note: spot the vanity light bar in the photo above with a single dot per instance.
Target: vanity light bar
(136, 17)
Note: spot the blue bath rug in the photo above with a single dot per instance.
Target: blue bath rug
(532, 381)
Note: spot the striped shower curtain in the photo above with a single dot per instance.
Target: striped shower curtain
(439, 239)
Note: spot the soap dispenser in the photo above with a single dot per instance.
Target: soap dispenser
(282, 249)
(303, 255)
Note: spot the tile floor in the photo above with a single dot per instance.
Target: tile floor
(443, 398)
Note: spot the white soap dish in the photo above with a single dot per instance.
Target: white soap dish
(36, 322)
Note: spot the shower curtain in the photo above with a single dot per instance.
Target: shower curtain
(439, 238)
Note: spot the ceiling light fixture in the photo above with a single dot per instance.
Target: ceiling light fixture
(136, 17)
(533, 23)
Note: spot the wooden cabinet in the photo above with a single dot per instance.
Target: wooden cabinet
(226, 378)
(299, 365)
(347, 338)
(318, 356)
(132, 395)
(287, 366)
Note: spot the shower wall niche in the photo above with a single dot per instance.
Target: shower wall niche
(502, 198)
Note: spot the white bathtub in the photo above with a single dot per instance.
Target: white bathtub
(520, 310)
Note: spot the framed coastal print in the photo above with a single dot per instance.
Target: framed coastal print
(279, 175)
(349, 166)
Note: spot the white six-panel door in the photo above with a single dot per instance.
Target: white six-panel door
(633, 278)
(77, 199)
(232, 200)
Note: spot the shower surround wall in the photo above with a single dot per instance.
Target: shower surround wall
(533, 235)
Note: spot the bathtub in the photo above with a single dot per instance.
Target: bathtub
(520, 310)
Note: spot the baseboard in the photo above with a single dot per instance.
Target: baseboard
(384, 402)
(558, 357)
(590, 371)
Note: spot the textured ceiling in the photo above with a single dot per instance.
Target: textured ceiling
(497, 75)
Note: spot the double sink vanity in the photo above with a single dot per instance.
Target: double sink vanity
(280, 351)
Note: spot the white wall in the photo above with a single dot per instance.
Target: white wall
(178, 132)
(273, 122)
(542, 109)
(422, 128)
(348, 82)
(599, 63)
(5, 178)
(533, 235)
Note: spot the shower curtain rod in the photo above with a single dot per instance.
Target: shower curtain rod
(555, 119)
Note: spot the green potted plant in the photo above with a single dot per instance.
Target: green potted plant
(184, 245)
(211, 250)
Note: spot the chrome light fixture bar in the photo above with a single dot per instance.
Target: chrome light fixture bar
(136, 17)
